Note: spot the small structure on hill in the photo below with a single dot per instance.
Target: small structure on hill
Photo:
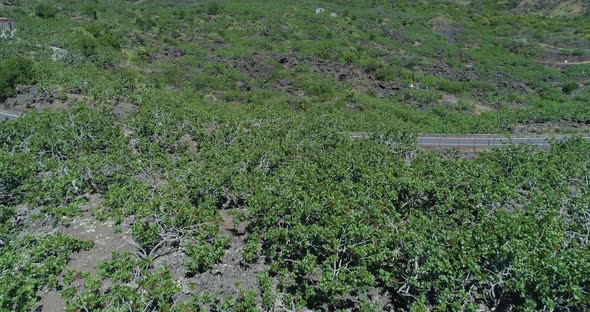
(7, 27)
(319, 10)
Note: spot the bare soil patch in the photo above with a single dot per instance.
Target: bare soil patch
(32, 97)
(104, 235)
(122, 109)
(446, 27)
(359, 78)
(225, 278)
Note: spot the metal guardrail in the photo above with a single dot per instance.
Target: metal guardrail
(477, 142)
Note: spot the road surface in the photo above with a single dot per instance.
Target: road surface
(5, 115)
(479, 142)
(475, 142)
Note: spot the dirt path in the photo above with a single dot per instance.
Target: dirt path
(106, 238)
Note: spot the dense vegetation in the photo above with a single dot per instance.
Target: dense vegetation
(216, 135)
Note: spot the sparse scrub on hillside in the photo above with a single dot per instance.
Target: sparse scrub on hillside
(243, 156)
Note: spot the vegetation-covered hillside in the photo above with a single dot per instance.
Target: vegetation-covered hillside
(196, 156)
(553, 8)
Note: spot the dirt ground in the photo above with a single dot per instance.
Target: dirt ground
(225, 278)
(32, 97)
(104, 235)
(36, 98)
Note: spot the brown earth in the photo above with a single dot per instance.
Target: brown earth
(32, 97)
(361, 80)
(225, 278)
(86, 227)
(447, 27)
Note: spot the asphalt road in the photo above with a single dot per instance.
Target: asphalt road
(4, 116)
(482, 142)
(474, 141)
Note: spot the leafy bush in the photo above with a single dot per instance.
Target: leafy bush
(451, 86)
(45, 10)
(103, 36)
(214, 8)
(133, 285)
(91, 10)
(88, 45)
(29, 264)
(203, 254)
(15, 170)
(570, 87)
(14, 71)
(329, 223)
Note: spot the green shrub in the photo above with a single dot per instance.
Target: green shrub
(480, 85)
(145, 22)
(372, 65)
(451, 86)
(205, 253)
(387, 73)
(146, 234)
(45, 10)
(14, 71)
(15, 169)
(350, 56)
(103, 36)
(134, 285)
(569, 87)
(30, 263)
(465, 106)
(214, 8)
(88, 45)
(90, 10)
(539, 35)
(578, 52)
(110, 41)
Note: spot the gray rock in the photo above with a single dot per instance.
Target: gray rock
(354, 106)
(58, 54)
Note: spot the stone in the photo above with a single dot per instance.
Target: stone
(354, 106)
(58, 54)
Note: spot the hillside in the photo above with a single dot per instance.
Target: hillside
(554, 8)
(261, 156)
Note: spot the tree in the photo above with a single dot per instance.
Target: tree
(16, 70)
